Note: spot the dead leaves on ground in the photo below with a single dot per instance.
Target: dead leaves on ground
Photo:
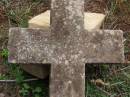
(99, 82)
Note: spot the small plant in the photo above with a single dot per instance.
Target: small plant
(15, 72)
(27, 89)
(117, 6)
(24, 92)
(37, 92)
(5, 2)
(3, 77)
(4, 53)
(19, 17)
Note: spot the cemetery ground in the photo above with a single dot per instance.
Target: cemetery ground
(102, 80)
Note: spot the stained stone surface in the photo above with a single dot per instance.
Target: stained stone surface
(34, 46)
(66, 46)
(92, 21)
(67, 57)
(67, 78)
(41, 71)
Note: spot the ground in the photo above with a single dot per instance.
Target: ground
(102, 80)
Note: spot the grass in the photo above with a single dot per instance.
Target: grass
(37, 88)
(119, 83)
(117, 76)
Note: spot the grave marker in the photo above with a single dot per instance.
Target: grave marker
(66, 46)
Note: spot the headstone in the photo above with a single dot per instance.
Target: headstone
(92, 21)
(67, 46)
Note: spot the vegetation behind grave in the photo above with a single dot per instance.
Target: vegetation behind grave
(102, 80)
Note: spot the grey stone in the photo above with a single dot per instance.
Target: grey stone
(67, 77)
(66, 46)
(32, 46)
(2, 95)
(38, 70)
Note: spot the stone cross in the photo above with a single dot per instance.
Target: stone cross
(66, 46)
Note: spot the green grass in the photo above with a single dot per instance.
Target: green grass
(37, 88)
(119, 83)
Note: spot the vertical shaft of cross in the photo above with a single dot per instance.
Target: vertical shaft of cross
(67, 17)
(67, 77)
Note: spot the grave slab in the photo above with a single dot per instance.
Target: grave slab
(92, 21)
(31, 46)
(66, 46)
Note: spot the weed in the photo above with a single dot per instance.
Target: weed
(24, 92)
(37, 89)
(19, 17)
(4, 53)
(3, 77)
(37, 92)
(117, 6)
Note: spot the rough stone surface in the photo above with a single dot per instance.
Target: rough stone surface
(92, 21)
(40, 21)
(32, 46)
(39, 70)
(67, 46)
(2, 95)
(67, 78)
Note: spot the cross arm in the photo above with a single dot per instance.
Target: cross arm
(33, 46)
(25, 45)
(104, 46)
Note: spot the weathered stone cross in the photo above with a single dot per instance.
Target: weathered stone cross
(66, 46)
